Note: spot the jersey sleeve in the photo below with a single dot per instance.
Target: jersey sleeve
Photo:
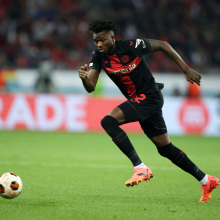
(139, 47)
(95, 62)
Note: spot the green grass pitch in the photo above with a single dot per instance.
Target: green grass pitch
(81, 176)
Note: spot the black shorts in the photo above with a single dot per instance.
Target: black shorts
(147, 109)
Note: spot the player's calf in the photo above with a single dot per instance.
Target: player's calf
(120, 138)
(180, 159)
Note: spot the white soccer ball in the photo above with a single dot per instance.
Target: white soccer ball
(10, 185)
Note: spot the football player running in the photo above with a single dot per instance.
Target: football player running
(123, 62)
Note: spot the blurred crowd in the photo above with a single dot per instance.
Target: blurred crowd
(32, 31)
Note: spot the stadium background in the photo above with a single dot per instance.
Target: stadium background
(44, 42)
(58, 29)
(80, 174)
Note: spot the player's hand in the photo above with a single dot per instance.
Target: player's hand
(83, 71)
(192, 76)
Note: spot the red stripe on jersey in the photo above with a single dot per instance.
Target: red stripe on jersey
(129, 85)
(122, 71)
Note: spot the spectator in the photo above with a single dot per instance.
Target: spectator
(32, 31)
(44, 83)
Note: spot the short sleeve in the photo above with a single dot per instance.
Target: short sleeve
(95, 62)
(139, 47)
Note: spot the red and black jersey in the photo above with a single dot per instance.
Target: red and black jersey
(126, 67)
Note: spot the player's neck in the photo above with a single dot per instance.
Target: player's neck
(112, 50)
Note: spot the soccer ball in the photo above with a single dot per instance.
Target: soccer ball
(10, 185)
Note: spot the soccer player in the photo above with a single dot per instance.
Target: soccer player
(123, 62)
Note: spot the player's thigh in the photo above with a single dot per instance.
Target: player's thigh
(155, 128)
(118, 114)
(124, 113)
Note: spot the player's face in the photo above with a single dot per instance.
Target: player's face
(105, 41)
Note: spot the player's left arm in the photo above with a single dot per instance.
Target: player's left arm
(190, 74)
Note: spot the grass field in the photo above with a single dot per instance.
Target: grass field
(81, 176)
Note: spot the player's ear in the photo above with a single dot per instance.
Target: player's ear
(112, 35)
(113, 38)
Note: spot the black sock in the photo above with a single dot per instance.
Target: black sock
(120, 138)
(180, 159)
(124, 144)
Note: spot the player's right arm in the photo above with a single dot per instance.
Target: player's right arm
(89, 77)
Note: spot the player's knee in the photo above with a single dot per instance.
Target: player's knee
(163, 151)
(171, 152)
(161, 140)
(108, 123)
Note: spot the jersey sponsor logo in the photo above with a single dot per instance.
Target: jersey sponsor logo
(117, 67)
(126, 70)
(125, 59)
(138, 42)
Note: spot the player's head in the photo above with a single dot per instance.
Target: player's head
(103, 34)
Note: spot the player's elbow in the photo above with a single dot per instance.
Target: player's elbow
(164, 45)
(90, 90)
(89, 87)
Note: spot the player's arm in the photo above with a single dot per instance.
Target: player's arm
(190, 74)
(89, 78)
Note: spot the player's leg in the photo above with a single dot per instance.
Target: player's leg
(118, 116)
(177, 156)
(111, 123)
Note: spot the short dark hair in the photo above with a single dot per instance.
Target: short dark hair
(103, 24)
